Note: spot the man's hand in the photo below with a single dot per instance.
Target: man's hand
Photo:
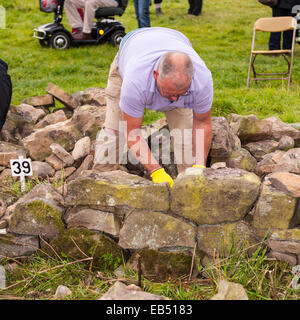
(160, 175)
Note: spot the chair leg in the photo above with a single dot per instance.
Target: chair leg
(249, 70)
(290, 71)
(253, 69)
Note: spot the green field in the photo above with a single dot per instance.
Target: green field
(221, 35)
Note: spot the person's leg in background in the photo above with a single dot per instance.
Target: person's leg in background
(89, 12)
(142, 13)
(158, 10)
(191, 6)
(195, 7)
(287, 35)
(73, 15)
(5, 92)
(275, 37)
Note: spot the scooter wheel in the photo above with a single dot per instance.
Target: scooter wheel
(44, 42)
(60, 41)
(116, 37)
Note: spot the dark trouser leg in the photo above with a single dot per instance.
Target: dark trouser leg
(197, 7)
(5, 92)
(275, 37)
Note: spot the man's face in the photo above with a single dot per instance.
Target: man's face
(167, 90)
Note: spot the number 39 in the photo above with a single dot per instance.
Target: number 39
(21, 167)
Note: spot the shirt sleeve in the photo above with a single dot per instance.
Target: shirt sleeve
(204, 98)
(132, 99)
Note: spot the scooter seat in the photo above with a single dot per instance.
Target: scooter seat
(108, 12)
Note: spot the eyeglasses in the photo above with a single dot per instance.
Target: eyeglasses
(177, 96)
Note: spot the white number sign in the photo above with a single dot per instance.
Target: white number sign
(20, 168)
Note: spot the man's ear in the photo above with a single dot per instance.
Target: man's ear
(155, 74)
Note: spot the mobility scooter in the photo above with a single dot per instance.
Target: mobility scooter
(105, 29)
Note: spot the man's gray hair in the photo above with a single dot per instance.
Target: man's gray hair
(175, 63)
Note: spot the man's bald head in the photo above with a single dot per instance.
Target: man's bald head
(177, 66)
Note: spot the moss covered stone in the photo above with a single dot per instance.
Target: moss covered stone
(274, 210)
(37, 217)
(154, 230)
(220, 239)
(117, 189)
(213, 196)
(249, 128)
(76, 244)
(162, 266)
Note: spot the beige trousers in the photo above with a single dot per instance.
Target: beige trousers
(90, 6)
(179, 119)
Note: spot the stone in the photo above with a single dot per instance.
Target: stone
(28, 112)
(249, 128)
(291, 259)
(154, 230)
(55, 162)
(292, 234)
(3, 207)
(295, 125)
(82, 148)
(6, 177)
(219, 239)
(280, 129)
(64, 173)
(2, 278)
(51, 118)
(94, 96)
(64, 97)
(62, 292)
(218, 165)
(62, 154)
(42, 169)
(9, 151)
(89, 120)
(260, 148)
(208, 196)
(16, 128)
(13, 245)
(242, 159)
(63, 133)
(45, 100)
(92, 219)
(288, 161)
(39, 212)
(285, 246)
(285, 143)
(230, 291)
(223, 139)
(286, 182)
(159, 266)
(274, 210)
(86, 164)
(120, 291)
(117, 189)
(80, 243)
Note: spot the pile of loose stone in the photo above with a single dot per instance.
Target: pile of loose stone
(249, 193)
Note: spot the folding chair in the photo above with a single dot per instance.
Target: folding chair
(274, 24)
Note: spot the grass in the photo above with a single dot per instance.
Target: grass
(222, 37)
(37, 277)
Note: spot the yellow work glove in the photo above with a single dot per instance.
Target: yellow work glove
(160, 175)
(198, 166)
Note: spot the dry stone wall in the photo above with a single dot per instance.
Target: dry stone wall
(248, 194)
